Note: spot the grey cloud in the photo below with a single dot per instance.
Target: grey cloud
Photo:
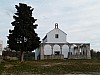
(80, 19)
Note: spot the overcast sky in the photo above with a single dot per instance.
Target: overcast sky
(80, 19)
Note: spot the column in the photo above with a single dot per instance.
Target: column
(82, 50)
(61, 49)
(42, 51)
(69, 54)
(52, 49)
(78, 51)
(74, 49)
(61, 55)
(88, 51)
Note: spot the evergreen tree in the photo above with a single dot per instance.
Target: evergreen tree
(23, 38)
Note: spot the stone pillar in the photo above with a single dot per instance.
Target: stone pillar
(61, 52)
(42, 52)
(82, 50)
(85, 51)
(78, 49)
(69, 54)
(88, 51)
(52, 49)
(74, 49)
(61, 49)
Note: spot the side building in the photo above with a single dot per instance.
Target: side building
(55, 46)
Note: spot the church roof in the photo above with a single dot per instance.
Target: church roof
(56, 27)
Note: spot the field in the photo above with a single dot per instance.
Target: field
(51, 67)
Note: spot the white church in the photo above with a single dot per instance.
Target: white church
(55, 46)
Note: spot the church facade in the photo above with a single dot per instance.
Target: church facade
(55, 46)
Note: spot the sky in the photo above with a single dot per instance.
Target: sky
(80, 19)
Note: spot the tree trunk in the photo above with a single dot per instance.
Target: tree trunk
(22, 56)
(0, 58)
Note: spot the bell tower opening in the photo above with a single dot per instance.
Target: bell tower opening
(56, 25)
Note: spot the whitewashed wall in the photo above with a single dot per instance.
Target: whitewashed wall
(56, 48)
(65, 50)
(51, 36)
(48, 50)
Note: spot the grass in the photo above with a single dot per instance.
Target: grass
(1, 68)
(51, 66)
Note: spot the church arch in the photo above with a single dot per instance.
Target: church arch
(47, 50)
(72, 49)
(56, 50)
(65, 50)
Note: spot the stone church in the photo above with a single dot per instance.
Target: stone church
(55, 46)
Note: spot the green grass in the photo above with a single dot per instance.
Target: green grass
(51, 66)
(1, 67)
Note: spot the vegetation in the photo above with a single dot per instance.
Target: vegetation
(50, 66)
(94, 54)
(13, 55)
(23, 38)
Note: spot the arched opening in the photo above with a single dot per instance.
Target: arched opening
(56, 50)
(72, 50)
(65, 50)
(47, 50)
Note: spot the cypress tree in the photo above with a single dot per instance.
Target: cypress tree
(23, 38)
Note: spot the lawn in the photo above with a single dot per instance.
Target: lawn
(51, 67)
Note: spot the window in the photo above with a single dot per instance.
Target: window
(56, 36)
(57, 52)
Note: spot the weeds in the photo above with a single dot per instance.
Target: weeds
(51, 66)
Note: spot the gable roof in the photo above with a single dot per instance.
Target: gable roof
(56, 27)
(51, 31)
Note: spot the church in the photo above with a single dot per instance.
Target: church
(55, 46)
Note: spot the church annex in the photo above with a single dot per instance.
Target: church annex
(55, 46)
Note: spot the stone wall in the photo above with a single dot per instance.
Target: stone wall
(78, 57)
(53, 56)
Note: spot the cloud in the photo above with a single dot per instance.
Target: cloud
(80, 19)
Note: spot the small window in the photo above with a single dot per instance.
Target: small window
(56, 36)
(57, 52)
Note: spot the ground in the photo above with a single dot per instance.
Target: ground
(51, 67)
